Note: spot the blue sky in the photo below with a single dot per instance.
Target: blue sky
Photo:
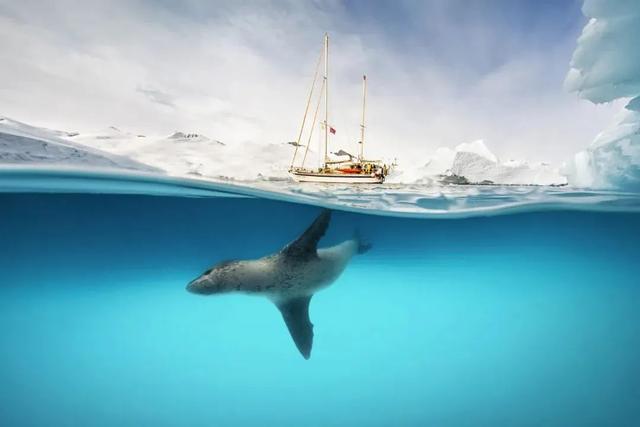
(451, 30)
(440, 72)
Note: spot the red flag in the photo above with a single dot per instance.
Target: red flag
(332, 130)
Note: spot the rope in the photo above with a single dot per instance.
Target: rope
(304, 118)
(313, 125)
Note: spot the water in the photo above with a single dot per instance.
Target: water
(525, 318)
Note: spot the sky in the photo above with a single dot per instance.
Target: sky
(440, 72)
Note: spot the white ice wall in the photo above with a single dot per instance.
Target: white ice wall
(606, 66)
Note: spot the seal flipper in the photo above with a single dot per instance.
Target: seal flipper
(305, 246)
(295, 312)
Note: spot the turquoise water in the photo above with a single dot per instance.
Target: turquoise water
(525, 318)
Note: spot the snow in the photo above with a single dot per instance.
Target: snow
(14, 127)
(190, 154)
(27, 145)
(475, 162)
(437, 164)
(180, 154)
(191, 137)
(478, 148)
(193, 154)
(606, 66)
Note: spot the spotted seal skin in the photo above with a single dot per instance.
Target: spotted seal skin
(289, 278)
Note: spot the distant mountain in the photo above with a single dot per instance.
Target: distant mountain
(191, 137)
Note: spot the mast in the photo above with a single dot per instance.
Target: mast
(326, 97)
(364, 100)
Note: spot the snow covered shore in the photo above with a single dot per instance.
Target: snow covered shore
(191, 154)
(24, 144)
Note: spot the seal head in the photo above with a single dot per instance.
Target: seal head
(216, 280)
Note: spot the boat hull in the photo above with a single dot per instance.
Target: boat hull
(336, 178)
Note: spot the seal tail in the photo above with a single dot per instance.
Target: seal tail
(363, 245)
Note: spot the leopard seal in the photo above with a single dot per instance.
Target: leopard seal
(289, 278)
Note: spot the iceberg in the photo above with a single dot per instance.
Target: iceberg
(474, 163)
(606, 66)
(478, 165)
(477, 148)
(612, 160)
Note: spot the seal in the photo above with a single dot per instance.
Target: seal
(289, 278)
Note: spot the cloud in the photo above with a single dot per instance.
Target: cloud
(157, 96)
(440, 72)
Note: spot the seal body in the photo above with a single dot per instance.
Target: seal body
(289, 277)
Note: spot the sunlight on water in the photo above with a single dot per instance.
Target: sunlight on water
(421, 201)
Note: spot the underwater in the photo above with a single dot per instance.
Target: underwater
(521, 316)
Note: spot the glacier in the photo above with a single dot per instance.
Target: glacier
(606, 66)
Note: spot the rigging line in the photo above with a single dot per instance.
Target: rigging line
(362, 125)
(304, 118)
(326, 98)
(313, 125)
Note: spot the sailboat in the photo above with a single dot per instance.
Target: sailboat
(351, 170)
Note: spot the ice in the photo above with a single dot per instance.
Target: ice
(612, 160)
(14, 127)
(22, 144)
(474, 162)
(190, 154)
(478, 148)
(606, 66)
(438, 164)
(186, 153)
(192, 137)
(478, 165)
